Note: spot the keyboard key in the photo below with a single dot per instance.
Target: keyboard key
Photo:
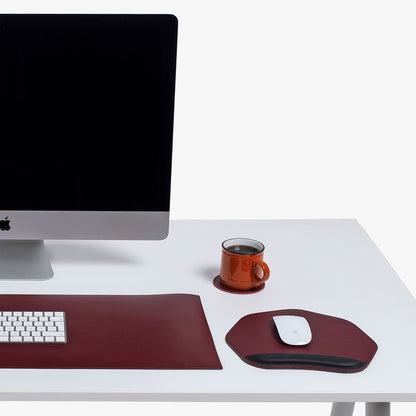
(56, 318)
(28, 339)
(16, 339)
(39, 339)
(60, 339)
(4, 339)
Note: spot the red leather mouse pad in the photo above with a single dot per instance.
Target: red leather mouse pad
(117, 332)
(337, 345)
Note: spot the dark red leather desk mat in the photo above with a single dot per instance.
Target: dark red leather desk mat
(337, 345)
(117, 332)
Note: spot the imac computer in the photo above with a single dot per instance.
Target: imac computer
(86, 119)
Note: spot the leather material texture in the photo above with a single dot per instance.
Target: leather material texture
(337, 345)
(117, 332)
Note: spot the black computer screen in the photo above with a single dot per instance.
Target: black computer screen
(86, 111)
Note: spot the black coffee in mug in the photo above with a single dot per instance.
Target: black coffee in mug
(242, 249)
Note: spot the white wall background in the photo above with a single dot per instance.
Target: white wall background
(285, 109)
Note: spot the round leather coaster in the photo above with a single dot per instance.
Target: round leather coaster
(217, 283)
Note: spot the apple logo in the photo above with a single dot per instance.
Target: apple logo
(5, 224)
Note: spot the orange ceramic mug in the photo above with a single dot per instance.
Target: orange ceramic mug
(242, 265)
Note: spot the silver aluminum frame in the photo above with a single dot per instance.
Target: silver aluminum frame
(85, 225)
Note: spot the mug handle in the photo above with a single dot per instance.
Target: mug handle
(265, 271)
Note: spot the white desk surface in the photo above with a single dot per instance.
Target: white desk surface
(325, 266)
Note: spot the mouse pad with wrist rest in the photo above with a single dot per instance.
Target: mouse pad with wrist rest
(117, 332)
(337, 345)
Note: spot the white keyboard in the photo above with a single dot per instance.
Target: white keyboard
(25, 327)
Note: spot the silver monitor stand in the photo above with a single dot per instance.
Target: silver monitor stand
(24, 260)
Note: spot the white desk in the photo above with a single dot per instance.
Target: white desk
(326, 266)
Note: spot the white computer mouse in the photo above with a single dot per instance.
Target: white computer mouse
(293, 330)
